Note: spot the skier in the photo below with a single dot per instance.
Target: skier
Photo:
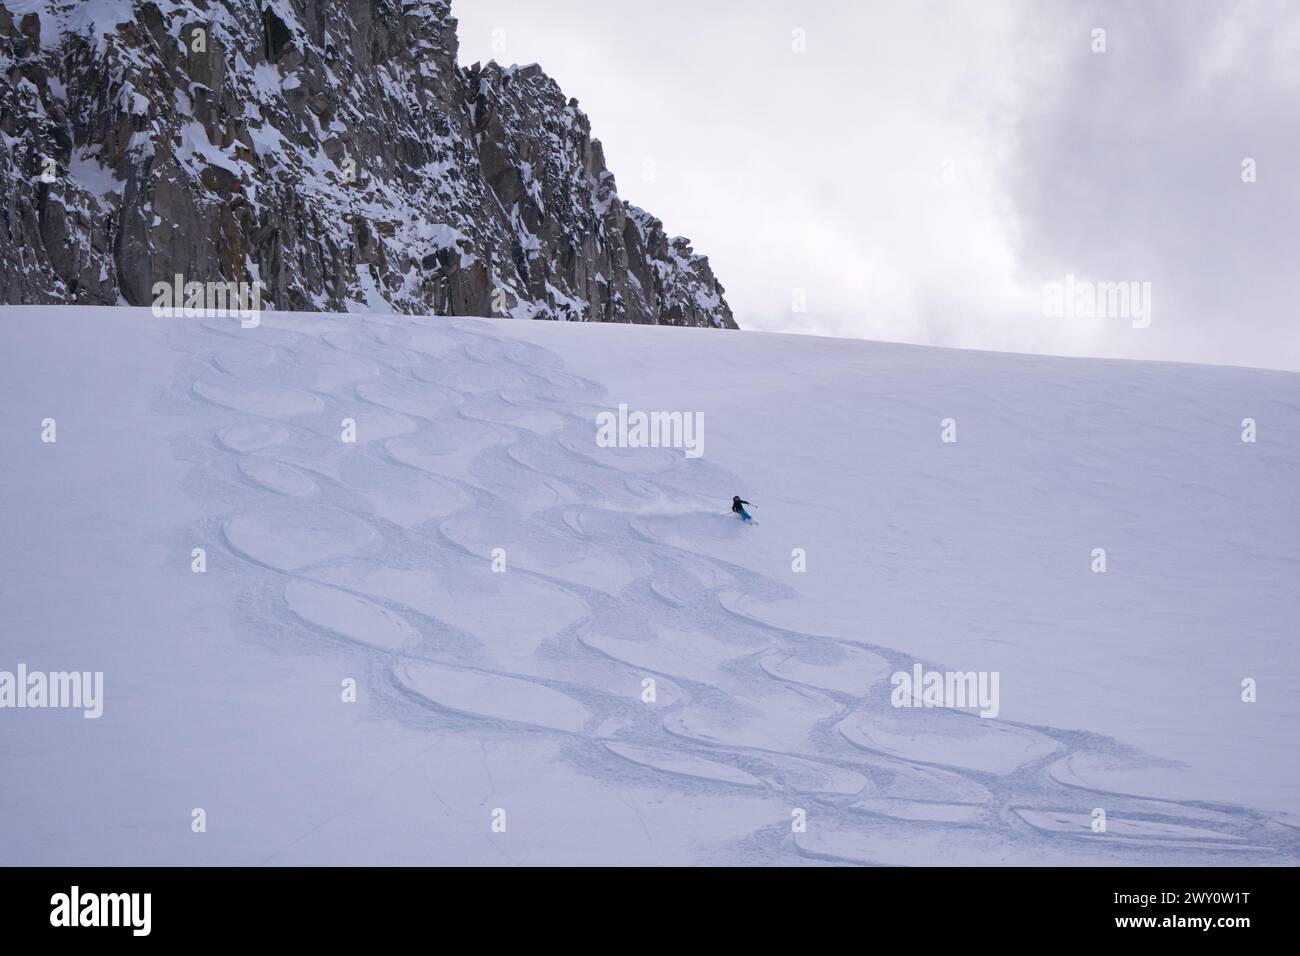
(737, 505)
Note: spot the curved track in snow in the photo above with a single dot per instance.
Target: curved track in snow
(468, 441)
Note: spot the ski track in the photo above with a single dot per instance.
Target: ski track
(352, 542)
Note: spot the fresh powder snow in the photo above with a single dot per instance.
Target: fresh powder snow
(365, 589)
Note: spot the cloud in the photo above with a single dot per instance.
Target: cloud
(922, 169)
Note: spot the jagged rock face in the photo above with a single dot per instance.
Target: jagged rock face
(332, 152)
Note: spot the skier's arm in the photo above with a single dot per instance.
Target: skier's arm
(743, 501)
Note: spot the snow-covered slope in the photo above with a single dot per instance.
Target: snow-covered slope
(522, 690)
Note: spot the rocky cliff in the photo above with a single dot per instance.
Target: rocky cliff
(331, 151)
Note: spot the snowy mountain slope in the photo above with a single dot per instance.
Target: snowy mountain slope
(521, 690)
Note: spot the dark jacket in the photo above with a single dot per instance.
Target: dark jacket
(736, 502)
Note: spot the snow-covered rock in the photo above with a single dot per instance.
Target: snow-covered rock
(331, 150)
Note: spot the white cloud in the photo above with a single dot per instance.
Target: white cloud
(825, 171)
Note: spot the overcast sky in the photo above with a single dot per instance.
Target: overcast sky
(920, 172)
